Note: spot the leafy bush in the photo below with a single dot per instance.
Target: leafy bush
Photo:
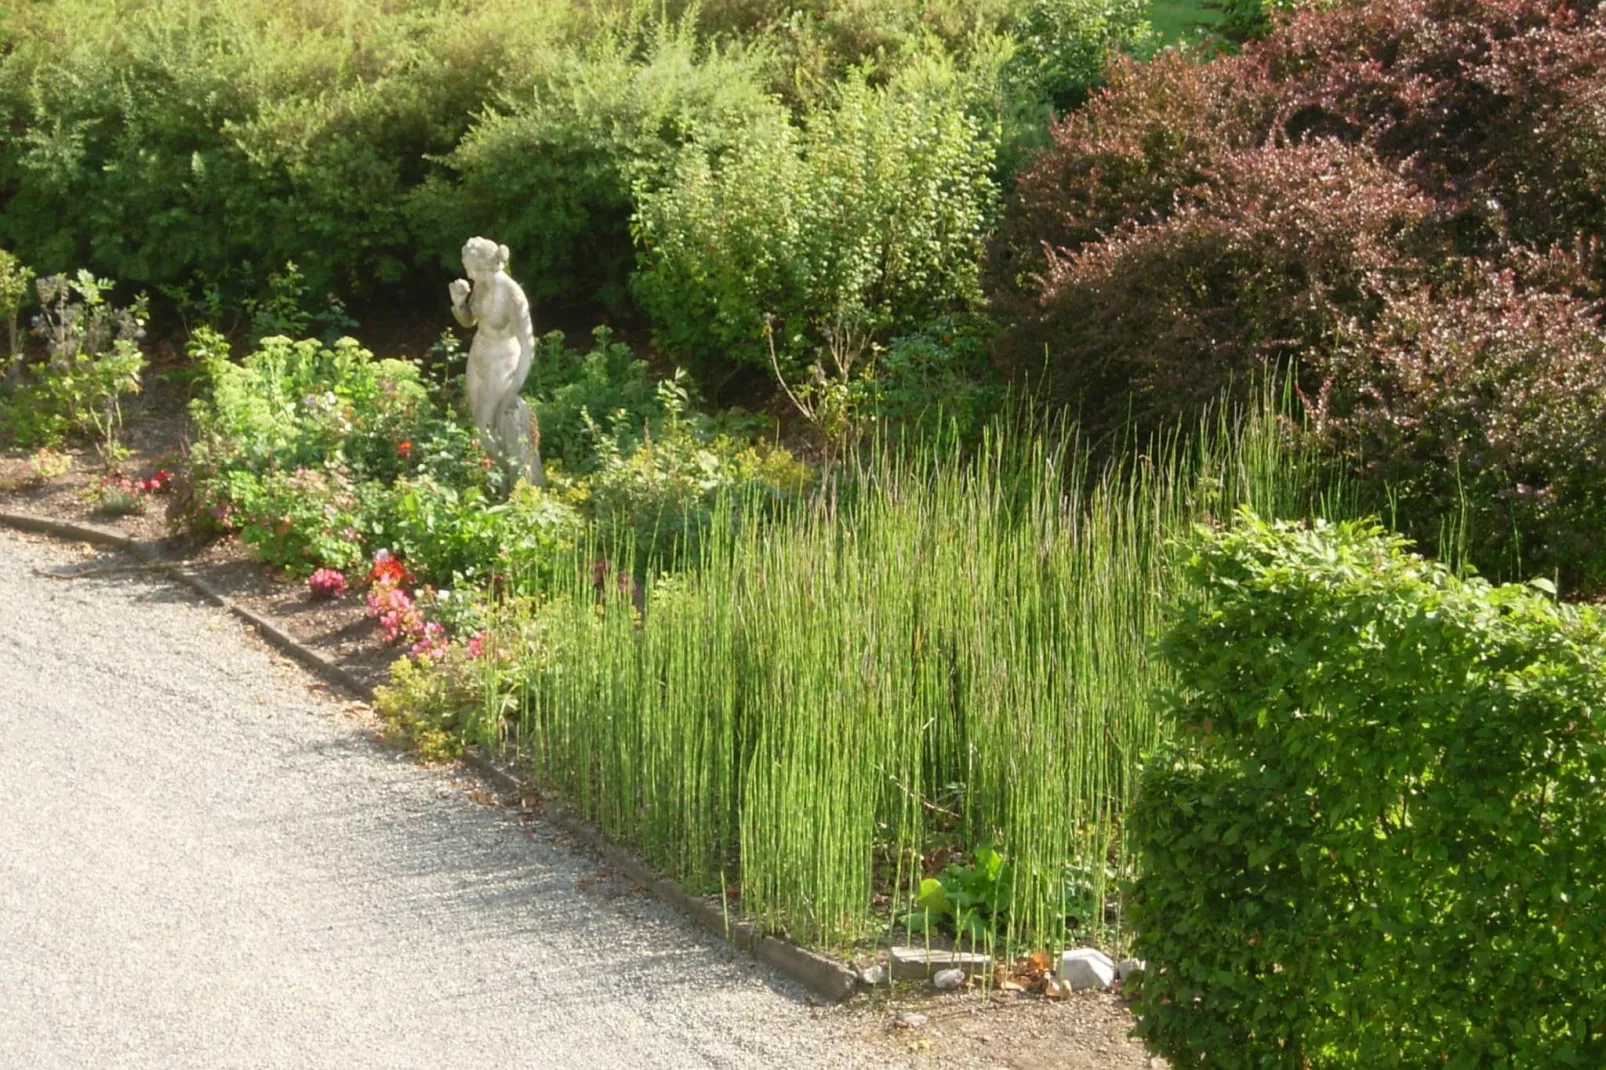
(1494, 399)
(861, 225)
(213, 140)
(290, 404)
(1258, 271)
(458, 535)
(1488, 106)
(1062, 47)
(550, 172)
(1245, 20)
(1374, 838)
(576, 393)
(938, 380)
(298, 519)
(296, 445)
(1198, 225)
(92, 360)
(427, 702)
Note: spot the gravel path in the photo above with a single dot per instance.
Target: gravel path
(205, 863)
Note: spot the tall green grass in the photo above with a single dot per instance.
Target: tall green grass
(933, 650)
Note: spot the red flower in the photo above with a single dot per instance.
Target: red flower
(389, 571)
(404, 450)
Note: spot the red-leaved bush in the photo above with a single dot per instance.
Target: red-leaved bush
(1262, 269)
(1298, 207)
(1496, 398)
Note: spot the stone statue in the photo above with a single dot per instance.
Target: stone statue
(499, 359)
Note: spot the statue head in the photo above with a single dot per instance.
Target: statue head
(483, 258)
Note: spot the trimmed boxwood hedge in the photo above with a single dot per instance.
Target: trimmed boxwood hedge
(1376, 840)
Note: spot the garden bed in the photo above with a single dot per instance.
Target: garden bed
(1018, 1030)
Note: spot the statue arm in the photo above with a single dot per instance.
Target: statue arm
(461, 311)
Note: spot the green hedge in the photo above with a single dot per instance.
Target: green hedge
(1377, 839)
(201, 144)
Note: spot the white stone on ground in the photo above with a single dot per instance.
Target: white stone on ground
(1087, 967)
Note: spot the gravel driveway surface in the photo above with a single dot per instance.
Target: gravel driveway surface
(205, 863)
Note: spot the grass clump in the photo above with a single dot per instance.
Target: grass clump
(929, 658)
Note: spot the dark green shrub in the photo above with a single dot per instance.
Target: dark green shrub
(1374, 840)
(211, 141)
(550, 171)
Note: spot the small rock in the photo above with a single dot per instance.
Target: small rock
(1126, 967)
(873, 975)
(1053, 989)
(1086, 967)
(948, 980)
(914, 963)
(908, 1020)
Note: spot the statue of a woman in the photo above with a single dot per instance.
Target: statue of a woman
(499, 359)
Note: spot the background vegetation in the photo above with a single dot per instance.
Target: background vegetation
(1398, 204)
(1014, 278)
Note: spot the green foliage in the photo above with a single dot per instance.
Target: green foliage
(15, 277)
(284, 311)
(550, 171)
(291, 404)
(574, 393)
(970, 901)
(459, 536)
(656, 492)
(296, 445)
(1063, 46)
(92, 360)
(938, 380)
(424, 702)
(1373, 840)
(209, 140)
(300, 519)
(858, 226)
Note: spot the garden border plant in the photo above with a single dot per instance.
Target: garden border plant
(1372, 836)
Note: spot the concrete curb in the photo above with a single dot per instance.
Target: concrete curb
(821, 975)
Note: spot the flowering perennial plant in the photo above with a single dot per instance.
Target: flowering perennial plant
(160, 482)
(389, 571)
(327, 583)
